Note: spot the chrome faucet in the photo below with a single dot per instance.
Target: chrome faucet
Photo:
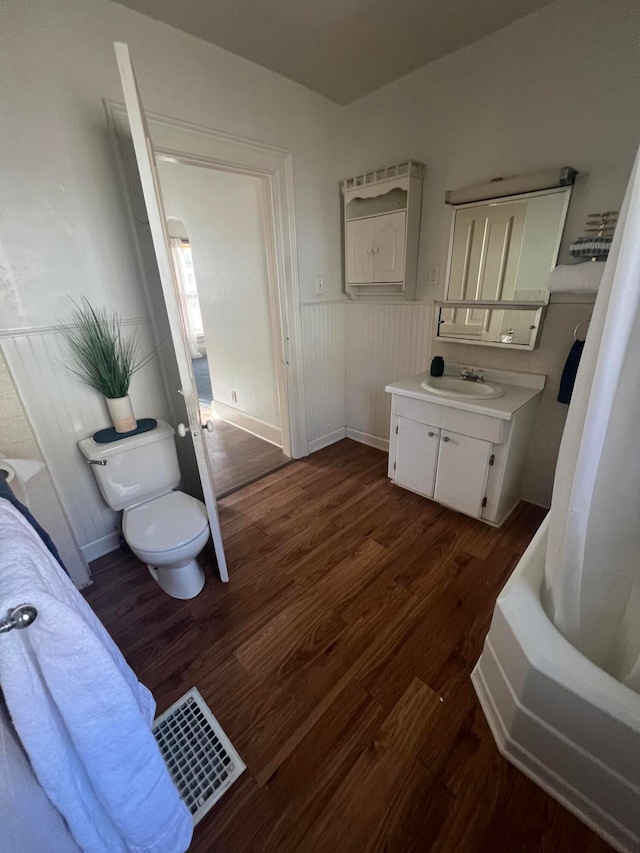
(471, 375)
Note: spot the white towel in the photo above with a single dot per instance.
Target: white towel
(81, 714)
(576, 278)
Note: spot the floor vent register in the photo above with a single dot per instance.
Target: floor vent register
(201, 760)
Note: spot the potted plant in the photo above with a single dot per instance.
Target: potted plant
(104, 359)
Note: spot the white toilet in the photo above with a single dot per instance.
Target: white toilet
(165, 529)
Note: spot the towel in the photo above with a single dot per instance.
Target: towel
(28, 819)
(568, 378)
(6, 492)
(81, 714)
(576, 278)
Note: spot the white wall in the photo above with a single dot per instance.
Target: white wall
(64, 229)
(559, 87)
(223, 216)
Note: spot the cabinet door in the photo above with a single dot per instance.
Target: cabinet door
(359, 250)
(463, 467)
(416, 456)
(389, 246)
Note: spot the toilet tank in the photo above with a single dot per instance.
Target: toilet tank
(135, 469)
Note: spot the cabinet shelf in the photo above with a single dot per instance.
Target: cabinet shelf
(373, 215)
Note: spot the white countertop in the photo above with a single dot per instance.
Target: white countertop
(519, 388)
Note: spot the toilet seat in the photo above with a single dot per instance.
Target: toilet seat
(165, 523)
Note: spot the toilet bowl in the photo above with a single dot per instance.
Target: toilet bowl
(167, 534)
(164, 528)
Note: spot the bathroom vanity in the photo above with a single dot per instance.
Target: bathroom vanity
(464, 444)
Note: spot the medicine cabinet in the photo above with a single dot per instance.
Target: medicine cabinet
(501, 252)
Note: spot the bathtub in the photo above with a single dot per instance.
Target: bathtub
(564, 722)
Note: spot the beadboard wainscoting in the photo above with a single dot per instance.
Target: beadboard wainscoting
(62, 410)
(323, 335)
(18, 441)
(384, 343)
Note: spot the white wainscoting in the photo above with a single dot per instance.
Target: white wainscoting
(62, 410)
(323, 335)
(384, 343)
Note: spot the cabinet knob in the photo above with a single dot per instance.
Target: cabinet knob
(446, 438)
(431, 434)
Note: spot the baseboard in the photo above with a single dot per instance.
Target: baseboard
(367, 438)
(535, 503)
(100, 547)
(326, 440)
(256, 427)
(559, 789)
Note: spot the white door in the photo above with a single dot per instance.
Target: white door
(485, 255)
(416, 456)
(359, 249)
(463, 467)
(158, 225)
(388, 246)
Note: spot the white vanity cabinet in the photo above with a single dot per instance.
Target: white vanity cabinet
(470, 458)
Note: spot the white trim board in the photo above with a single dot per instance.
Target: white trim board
(326, 440)
(367, 438)
(99, 547)
(248, 423)
(201, 146)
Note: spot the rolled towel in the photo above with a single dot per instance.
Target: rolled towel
(576, 278)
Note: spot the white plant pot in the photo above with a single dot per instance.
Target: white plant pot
(121, 413)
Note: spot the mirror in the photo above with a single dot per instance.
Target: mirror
(501, 252)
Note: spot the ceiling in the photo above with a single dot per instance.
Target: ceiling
(342, 49)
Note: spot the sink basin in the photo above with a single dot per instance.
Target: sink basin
(452, 386)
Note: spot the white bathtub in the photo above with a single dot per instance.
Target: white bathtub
(563, 721)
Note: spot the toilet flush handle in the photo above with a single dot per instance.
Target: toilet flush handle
(182, 430)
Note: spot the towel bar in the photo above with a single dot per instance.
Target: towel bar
(19, 617)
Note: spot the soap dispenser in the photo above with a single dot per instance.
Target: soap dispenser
(437, 365)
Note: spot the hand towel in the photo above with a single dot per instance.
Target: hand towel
(81, 714)
(568, 378)
(576, 278)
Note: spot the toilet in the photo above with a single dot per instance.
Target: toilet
(164, 528)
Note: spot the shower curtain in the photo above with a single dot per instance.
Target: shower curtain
(187, 325)
(592, 579)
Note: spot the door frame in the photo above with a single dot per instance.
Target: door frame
(195, 145)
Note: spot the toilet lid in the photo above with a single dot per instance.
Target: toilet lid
(164, 523)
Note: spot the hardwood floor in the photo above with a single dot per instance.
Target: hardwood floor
(337, 660)
(237, 457)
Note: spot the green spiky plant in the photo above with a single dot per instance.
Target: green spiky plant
(99, 354)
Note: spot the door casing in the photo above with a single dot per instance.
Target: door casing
(199, 146)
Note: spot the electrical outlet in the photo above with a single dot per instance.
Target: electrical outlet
(234, 396)
(434, 275)
(319, 285)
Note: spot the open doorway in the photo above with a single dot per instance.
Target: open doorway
(220, 248)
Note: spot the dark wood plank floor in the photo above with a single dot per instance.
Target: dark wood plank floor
(337, 660)
(237, 457)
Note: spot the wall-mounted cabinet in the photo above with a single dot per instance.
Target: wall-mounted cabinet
(381, 232)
